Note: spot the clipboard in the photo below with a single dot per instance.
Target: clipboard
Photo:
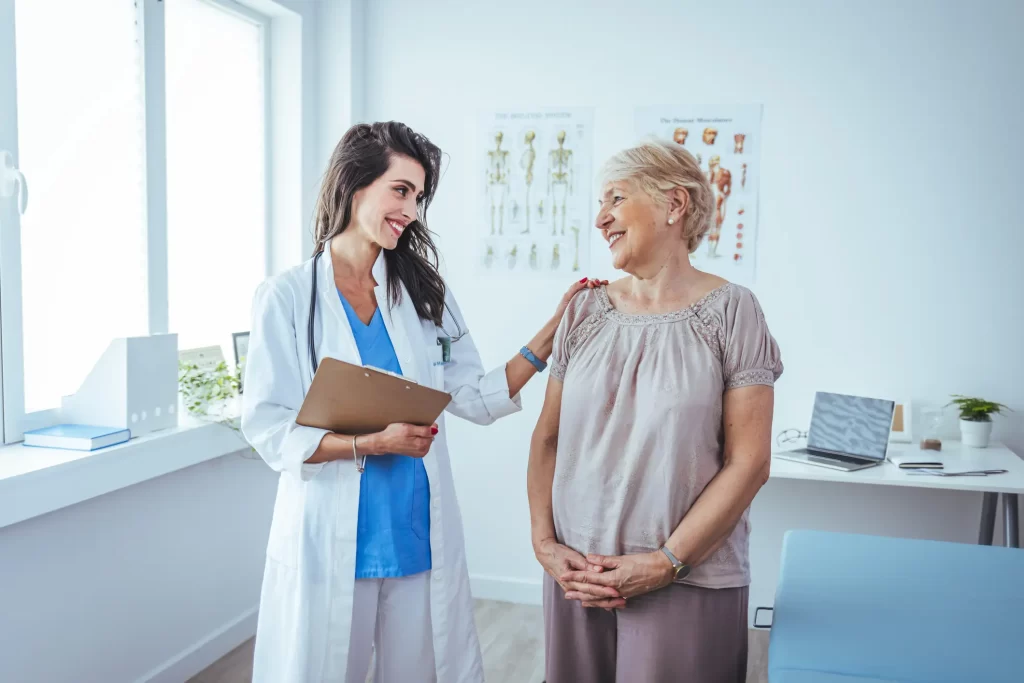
(353, 399)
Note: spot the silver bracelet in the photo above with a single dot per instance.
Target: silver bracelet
(360, 462)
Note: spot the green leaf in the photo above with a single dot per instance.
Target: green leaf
(203, 389)
(976, 409)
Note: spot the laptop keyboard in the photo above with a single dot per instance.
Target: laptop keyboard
(835, 457)
(846, 458)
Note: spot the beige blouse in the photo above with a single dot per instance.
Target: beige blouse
(641, 430)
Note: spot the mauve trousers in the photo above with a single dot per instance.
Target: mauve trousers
(680, 633)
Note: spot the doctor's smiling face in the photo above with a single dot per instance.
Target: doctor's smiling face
(380, 180)
(379, 183)
(382, 210)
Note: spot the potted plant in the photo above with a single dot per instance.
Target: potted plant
(207, 394)
(975, 419)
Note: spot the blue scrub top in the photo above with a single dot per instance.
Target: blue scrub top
(393, 536)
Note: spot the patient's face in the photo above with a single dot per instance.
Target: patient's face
(633, 225)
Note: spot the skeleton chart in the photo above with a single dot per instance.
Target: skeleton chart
(725, 140)
(535, 191)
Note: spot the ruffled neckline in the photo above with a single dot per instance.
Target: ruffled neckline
(690, 311)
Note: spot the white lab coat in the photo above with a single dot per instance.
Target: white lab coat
(306, 603)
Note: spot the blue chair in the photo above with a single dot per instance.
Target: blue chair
(852, 608)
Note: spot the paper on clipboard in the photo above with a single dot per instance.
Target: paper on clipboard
(352, 399)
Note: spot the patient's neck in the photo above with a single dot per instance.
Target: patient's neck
(666, 283)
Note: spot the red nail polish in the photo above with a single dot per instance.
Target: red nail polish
(433, 430)
(583, 280)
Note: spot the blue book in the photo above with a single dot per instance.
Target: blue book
(77, 437)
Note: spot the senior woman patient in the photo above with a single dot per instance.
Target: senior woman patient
(652, 442)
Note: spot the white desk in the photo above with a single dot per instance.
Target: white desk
(955, 457)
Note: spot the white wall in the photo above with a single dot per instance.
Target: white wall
(150, 583)
(341, 71)
(890, 234)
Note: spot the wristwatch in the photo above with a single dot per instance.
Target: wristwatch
(680, 570)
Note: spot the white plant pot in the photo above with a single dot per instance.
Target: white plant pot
(975, 434)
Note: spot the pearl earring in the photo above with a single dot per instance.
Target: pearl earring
(671, 221)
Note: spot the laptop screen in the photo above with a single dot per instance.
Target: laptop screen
(851, 425)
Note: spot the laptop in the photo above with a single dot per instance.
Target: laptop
(847, 432)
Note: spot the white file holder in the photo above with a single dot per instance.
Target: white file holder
(134, 385)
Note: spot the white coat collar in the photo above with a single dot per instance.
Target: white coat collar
(402, 321)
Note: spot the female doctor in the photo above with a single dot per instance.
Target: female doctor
(366, 549)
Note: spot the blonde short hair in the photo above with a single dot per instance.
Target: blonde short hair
(659, 166)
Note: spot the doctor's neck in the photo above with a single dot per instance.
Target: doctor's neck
(353, 254)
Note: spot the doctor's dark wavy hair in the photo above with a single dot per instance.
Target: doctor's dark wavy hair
(360, 157)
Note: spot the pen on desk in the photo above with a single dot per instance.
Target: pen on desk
(969, 473)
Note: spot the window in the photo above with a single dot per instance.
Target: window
(119, 238)
(80, 141)
(216, 169)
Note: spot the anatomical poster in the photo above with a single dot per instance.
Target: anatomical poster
(725, 140)
(535, 195)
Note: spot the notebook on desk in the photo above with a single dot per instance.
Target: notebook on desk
(847, 432)
(913, 459)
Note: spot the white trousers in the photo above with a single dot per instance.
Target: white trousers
(392, 618)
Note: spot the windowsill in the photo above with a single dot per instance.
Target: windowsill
(35, 481)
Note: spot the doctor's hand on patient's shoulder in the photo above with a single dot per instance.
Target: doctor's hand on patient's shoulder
(402, 439)
(585, 283)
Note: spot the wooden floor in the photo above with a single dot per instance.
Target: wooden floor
(512, 641)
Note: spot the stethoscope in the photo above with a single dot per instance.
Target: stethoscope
(445, 342)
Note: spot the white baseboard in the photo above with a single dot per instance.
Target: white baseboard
(506, 589)
(208, 650)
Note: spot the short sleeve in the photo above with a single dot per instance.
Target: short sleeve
(751, 354)
(567, 335)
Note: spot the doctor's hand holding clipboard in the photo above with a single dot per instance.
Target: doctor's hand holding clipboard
(366, 547)
(379, 411)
